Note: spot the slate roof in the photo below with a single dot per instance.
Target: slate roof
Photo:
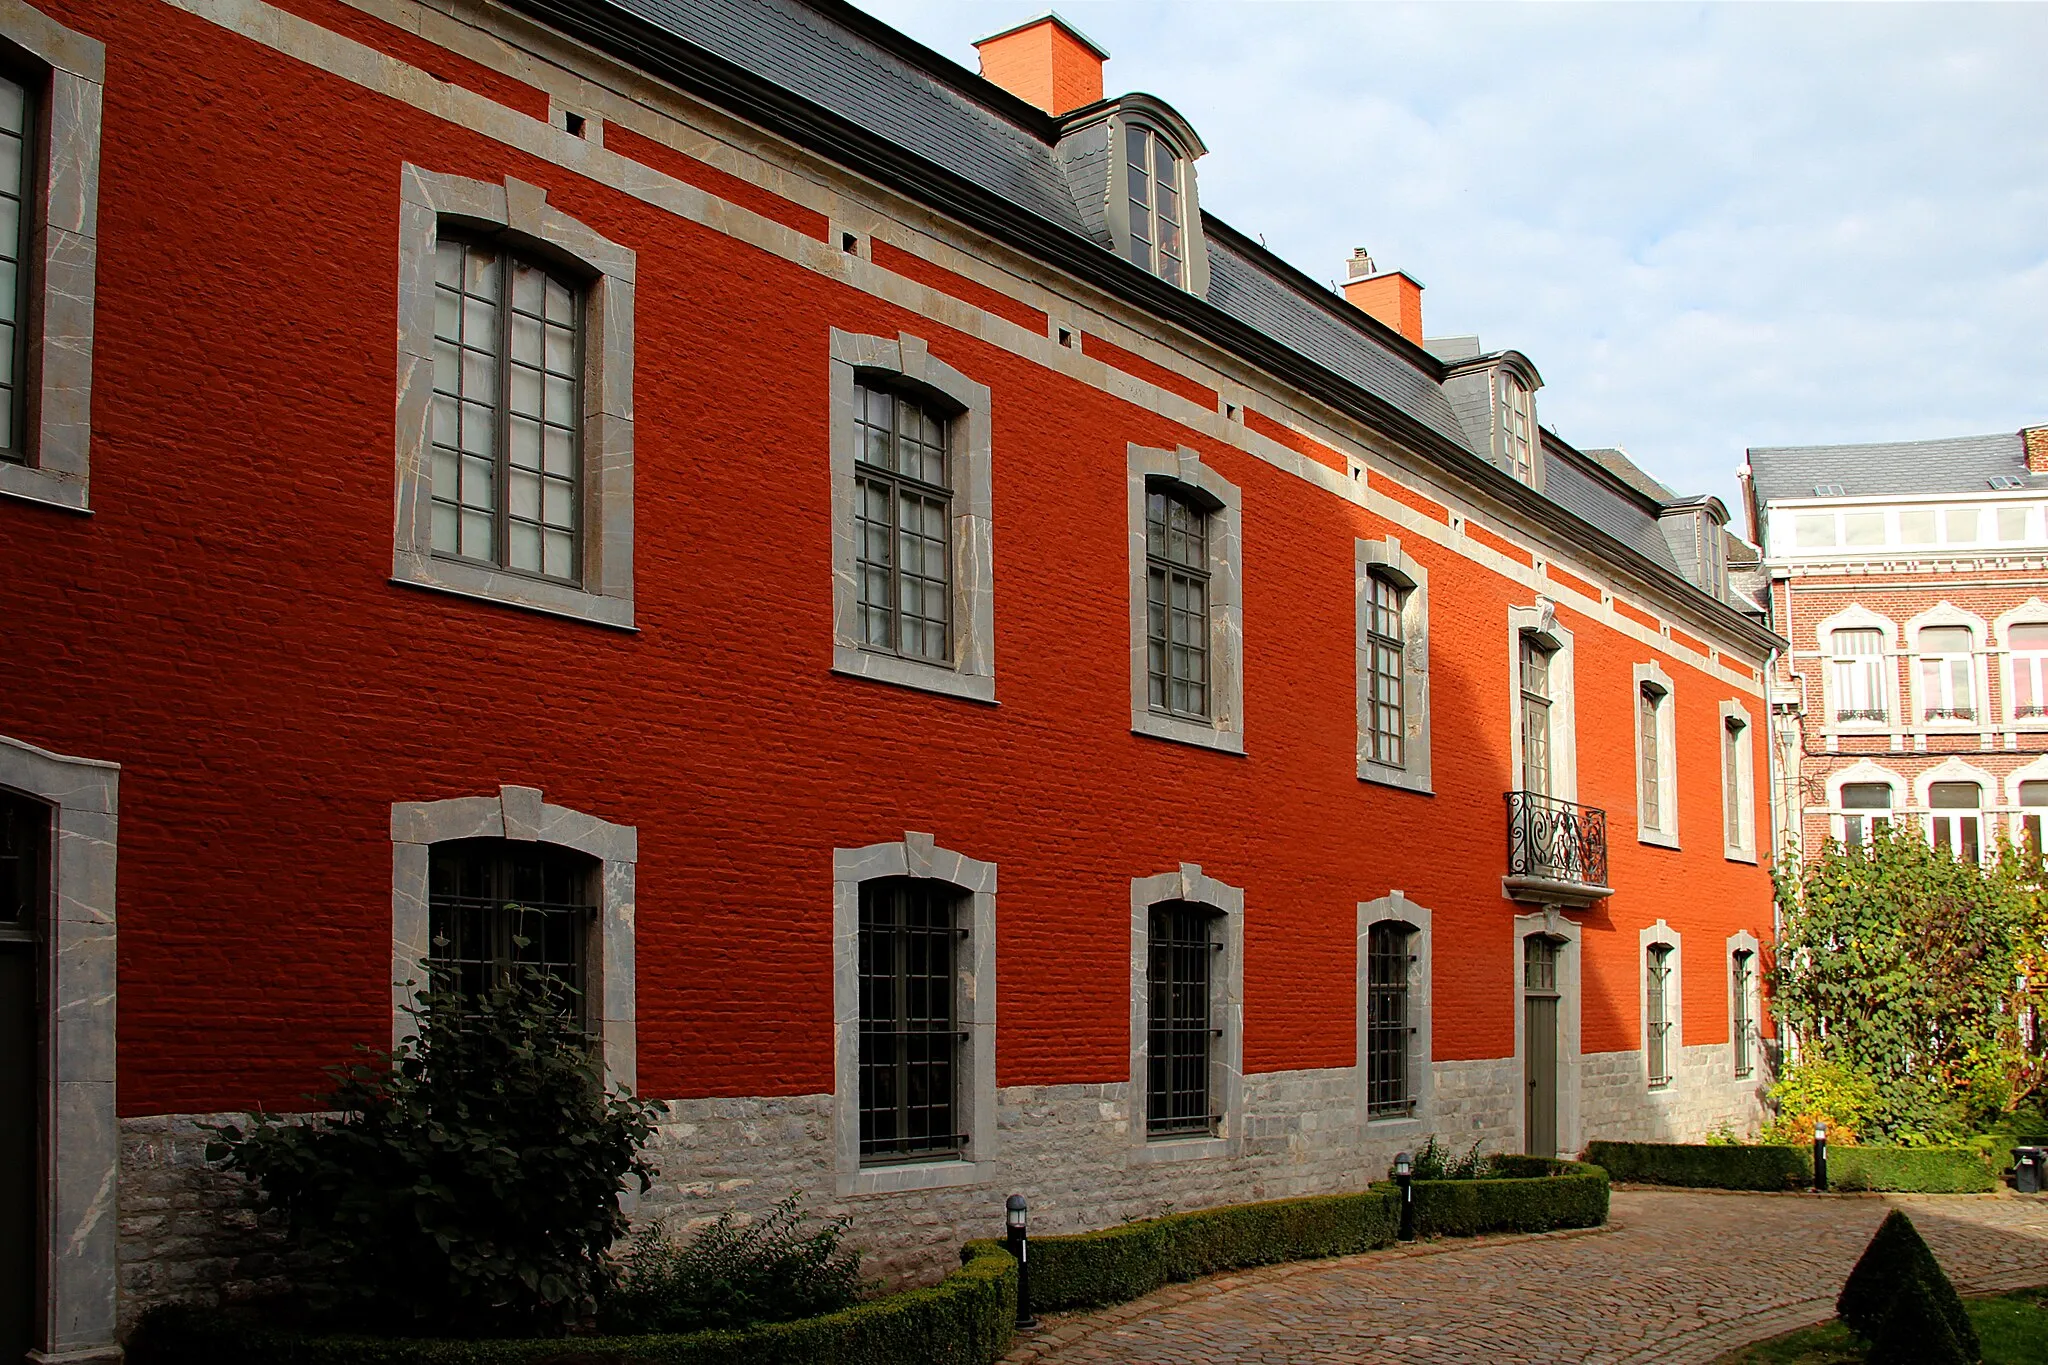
(1957, 464)
(1574, 483)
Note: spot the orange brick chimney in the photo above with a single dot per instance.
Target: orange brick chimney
(1045, 61)
(1393, 296)
(2037, 449)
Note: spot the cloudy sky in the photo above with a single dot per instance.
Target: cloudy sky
(1711, 227)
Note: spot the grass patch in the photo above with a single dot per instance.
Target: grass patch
(2014, 1328)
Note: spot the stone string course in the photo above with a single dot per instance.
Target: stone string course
(189, 1232)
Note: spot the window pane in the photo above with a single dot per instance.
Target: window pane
(1962, 525)
(1917, 527)
(1816, 532)
(2034, 793)
(1863, 528)
(2034, 637)
(1945, 639)
(495, 906)
(909, 1032)
(1866, 796)
(1954, 796)
(2012, 523)
(1180, 954)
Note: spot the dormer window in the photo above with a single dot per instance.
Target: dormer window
(1158, 214)
(1518, 426)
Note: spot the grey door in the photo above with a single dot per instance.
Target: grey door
(24, 835)
(1539, 1044)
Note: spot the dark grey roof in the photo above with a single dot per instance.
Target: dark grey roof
(1957, 464)
(1615, 461)
(1583, 491)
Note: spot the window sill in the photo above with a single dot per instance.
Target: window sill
(43, 487)
(512, 590)
(1179, 731)
(917, 1175)
(1393, 1126)
(900, 672)
(1161, 1150)
(1739, 855)
(1658, 837)
(1382, 775)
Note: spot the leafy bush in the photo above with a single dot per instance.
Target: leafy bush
(966, 1319)
(471, 1181)
(1896, 1266)
(1816, 1089)
(1923, 1170)
(734, 1274)
(1435, 1162)
(1920, 1170)
(1523, 1194)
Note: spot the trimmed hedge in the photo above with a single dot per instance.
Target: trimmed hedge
(1915, 1170)
(1525, 1194)
(965, 1319)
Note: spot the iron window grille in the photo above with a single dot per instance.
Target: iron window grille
(1647, 705)
(1157, 213)
(18, 163)
(1558, 841)
(903, 498)
(1180, 969)
(1383, 666)
(1744, 1026)
(1387, 1030)
(507, 414)
(1659, 1011)
(1177, 603)
(1535, 668)
(909, 1021)
(497, 906)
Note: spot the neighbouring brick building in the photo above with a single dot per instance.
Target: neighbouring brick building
(988, 679)
(1910, 579)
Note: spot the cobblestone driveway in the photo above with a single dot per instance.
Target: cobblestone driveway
(1676, 1277)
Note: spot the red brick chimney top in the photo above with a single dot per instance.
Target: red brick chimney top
(2037, 449)
(1045, 61)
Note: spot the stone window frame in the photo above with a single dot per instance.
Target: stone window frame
(1395, 907)
(1541, 621)
(2016, 822)
(2032, 612)
(1957, 768)
(1387, 557)
(63, 252)
(1858, 617)
(1665, 832)
(1743, 941)
(1226, 1012)
(1552, 924)
(905, 360)
(1661, 934)
(522, 814)
(77, 1309)
(1864, 770)
(1183, 468)
(1743, 794)
(519, 216)
(918, 855)
(1946, 613)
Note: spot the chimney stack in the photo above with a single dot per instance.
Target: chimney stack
(1044, 61)
(2036, 439)
(1392, 296)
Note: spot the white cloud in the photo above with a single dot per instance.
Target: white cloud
(1710, 226)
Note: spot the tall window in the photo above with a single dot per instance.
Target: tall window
(1517, 427)
(1866, 809)
(1177, 603)
(2033, 800)
(1658, 1022)
(1157, 204)
(1649, 701)
(1858, 666)
(495, 906)
(507, 415)
(904, 508)
(1180, 967)
(1957, 807)
(1384, 666)
(1535, 669)
(909, 1029)
(1734, 735)
(1387, 1026)
(1741, 1027)
(2029, 645)
(17, 274)
(1946, 674)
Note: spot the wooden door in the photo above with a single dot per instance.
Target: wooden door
(1539, 1044)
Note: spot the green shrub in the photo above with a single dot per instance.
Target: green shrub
(1924, 1170)
(1921, 1170)
(1898, 1265)
(734, 1274)
(1524, 1194)
(1435, 1162)
(1816, 1089)
(1916, 1332)
(966, 1319)
(471, 1182)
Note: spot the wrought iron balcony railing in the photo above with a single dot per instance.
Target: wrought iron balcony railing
(1877, 713)
(1557, 850)
(1951, 713)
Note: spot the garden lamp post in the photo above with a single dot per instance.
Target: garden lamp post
(1014, 1212)
(1404, 1176)
(1820, 1157)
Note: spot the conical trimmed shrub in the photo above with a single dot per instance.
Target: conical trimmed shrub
(1892, 1265)
(1915, 1332)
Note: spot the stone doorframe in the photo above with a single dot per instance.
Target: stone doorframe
(1553, 924)
(75, 1312)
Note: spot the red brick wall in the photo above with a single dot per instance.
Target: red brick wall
(223, 627)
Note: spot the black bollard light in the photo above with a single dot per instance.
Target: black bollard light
(1820, 1157)
(1020, 1238)
(1404, 1176)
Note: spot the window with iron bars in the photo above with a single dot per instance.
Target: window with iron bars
(496, 906)
(1383, 666)
(1180, 969)
(1177, 603)
(1387, 1028)
(909, 1021)
(903, 498)
(1742, 1025)
(1658, 1008)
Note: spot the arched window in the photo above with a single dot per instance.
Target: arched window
(508, 416)
(1741, 1026)
(1517, 422)
(1177, 601)
(495, 906)
(1858, 668)
(1536, 701)
(910, 1035)
(1862, 803)
(903, 500)
(1956, 817)
(1388, 1023)
(1947, 690)
(1385, 599)
(2029, 645)
(1158, 204)
(1182, 949)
